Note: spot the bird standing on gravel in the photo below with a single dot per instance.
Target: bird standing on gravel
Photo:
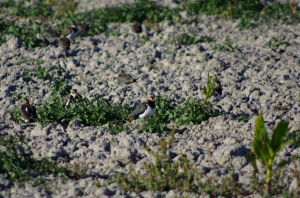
(144, 110)
(50, 32)
(125, 78)
(73, 31)
(70, 98)
(28, 112)
(64, 42)
(217, 91)
(137, 27)
(84, 26)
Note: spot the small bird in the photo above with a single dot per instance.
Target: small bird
(137, 27)
(28, 111)
(50, 32)
(84, 26)
(64, 42)
(125, 78)
(73, 30)
(217, 91)
(70, 98)
(144, 110)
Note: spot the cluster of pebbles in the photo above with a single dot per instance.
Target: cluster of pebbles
(256, 78)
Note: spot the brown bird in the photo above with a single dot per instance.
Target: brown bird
(137, 27)
(50, 32)
(64, 42)
(217, 91)
(84, 26)
(125, 78)
(144, 110)
(28, 112)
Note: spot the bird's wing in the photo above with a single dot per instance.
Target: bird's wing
(125, 78)
(140, 109)
(25, 112)
(33, 112)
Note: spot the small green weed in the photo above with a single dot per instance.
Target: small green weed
(298, 99)
(114, 32)
(226, 46)
(209, 88)
(276, 42)
(144, 39)
(281, 107)
(243, 117)
(265, 148)
(166, 174)
(20, 167)
(186, 39)
(170, 51)
(31, 61)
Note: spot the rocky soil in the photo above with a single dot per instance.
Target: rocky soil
(256, 78)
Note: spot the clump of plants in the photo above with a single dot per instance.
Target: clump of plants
(266, 148)
(187, 112)
(99, 112)
(63, 11)
(166, 174)
(18, 166)
(243, 117)
(179, 173)
(186, 39)
(226, 46)
(276, 42)
(209, 88)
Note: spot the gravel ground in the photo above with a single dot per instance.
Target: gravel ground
(256, 78)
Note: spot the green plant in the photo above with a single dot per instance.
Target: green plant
(18, 166)
(30, 61)
(165, 174)
(209, 88)
(226, 46)
(186, 39)
(188, 112)
(276, 42)
(265, 148)
(243, 117)
(298, 99)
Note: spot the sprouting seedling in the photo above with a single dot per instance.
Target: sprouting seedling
(265, 148)
(209, 88)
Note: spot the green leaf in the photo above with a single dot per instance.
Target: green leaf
(251, 157)
(281, 164)
(258, 126)
(279, 134)
(259, 152)
(215, 48)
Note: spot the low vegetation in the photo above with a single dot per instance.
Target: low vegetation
(209, 88)
(250, 12)
(265, 148)
(100, 112)
(186, 39)
(226, 46)
(18, 166)
(165, 173)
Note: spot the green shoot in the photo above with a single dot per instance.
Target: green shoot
(265, 148)
(208, 89)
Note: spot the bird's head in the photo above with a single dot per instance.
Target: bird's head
(121, 71)
(150, 97)
(25, 101)
(73, 93)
